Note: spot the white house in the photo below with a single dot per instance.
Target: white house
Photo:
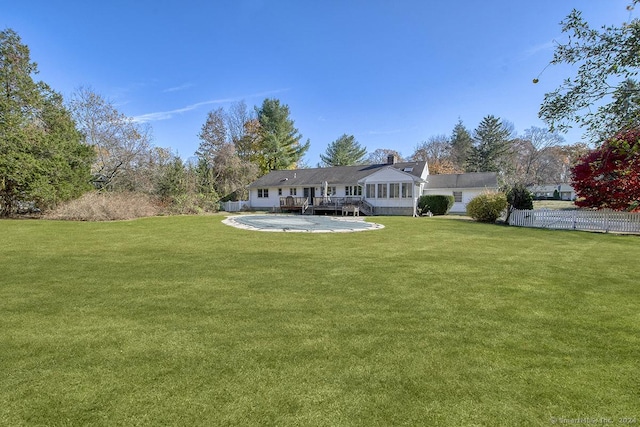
(391, 188)
(548, 191)
(463, 187)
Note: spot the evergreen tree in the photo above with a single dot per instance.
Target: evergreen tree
(279, 146)
(344, 151)
(461, 146)
(172, 181)
(205, 179)
(42, 159)
(492, 146)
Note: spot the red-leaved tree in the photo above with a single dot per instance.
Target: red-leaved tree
(609, 176)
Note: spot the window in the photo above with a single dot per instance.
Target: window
(370, 191)
(382, 191)
(331, 191)
(457, 196)
(407, 170)
(407, 190)
(394, 190)
(263, 192)
(293, 191)
(353, 190)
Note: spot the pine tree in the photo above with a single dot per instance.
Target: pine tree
(492, 147)
(344, 151)
(279, 146)
(461, 146)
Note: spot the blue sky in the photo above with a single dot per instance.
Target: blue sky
(392, 73)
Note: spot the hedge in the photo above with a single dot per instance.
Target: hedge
(435, 203)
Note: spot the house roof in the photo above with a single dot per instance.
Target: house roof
(333, 175)
(463, 180)
(549, 188)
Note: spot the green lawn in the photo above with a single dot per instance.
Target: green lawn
(429, 321)
(554, 204)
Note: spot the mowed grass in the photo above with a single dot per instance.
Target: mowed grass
(561, 205)
(430, 321)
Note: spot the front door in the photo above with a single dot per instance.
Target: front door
(309, 193)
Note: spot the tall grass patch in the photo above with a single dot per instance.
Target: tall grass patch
(106, 206)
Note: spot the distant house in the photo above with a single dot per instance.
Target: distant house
(391, 188)
(562, 191)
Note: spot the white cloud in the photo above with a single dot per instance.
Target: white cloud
(179, 88)
(166, 115)
(534, 50)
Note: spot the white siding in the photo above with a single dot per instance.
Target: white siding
(273, 201)
(388, 176)
(467, 195)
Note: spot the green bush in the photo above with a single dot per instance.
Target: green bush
(487, 207)
(436, 203)
(519, 197)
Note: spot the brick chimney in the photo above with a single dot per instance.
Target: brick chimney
(392, 159)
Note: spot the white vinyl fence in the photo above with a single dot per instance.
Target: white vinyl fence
(235, 206)
(604, 220)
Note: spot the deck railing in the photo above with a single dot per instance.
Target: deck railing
(326, 203)
(366, 208)
(293, 202)
(336, 202)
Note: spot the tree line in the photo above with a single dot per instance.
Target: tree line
(52, 151)
(603, 98)
(538, 156)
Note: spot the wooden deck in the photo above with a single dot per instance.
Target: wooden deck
(328, 205)
(293, 204)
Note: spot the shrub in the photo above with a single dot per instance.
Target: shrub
(97, 206)
(519, 197)
(436, 203)
(191, 204)
(182, 204)
(487, 207)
